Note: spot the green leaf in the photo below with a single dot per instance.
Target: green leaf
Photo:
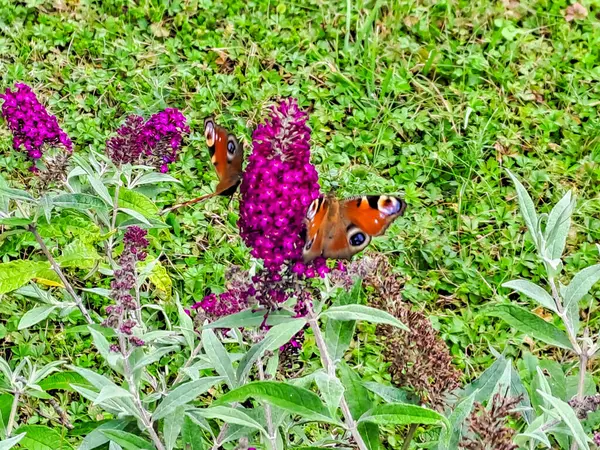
(533, 291)
(370, 434)
(138, 202)
(111, 392)
(100, 189)
(450, 436)
(331, 390)
(15, 221)
(191, 435)
(71, 224)
(62, 381)
(251, 318)
(156, 177)
(172, 427)
(127, 440)
(83, 202)
(486, 383)
(581, 284)
(557, 226)
(339, 333)
(160, 278)
(535, 431)
(403, 414)
(78, 254)
(39, 437)
(183, 394)
(530, 324)
(357, 396)
(567, 415)
(185, 325)
(17, 273)
(362, 312)
(15, 194)
(35, 315)
(218, 356)
(276, 337)
(293, 399)
(231, 415)
(96, 438)
(527, 210)
(390, 394)
(11, 442)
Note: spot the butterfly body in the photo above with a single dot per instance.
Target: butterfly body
(226, 155)
(339, 229)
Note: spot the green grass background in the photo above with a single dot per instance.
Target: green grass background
(429, 99)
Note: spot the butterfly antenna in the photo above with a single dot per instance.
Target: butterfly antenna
(188, 203)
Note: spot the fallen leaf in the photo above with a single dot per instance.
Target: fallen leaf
(575, 11)
(411, 21)
(158, 30)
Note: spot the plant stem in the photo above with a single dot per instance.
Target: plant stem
(60, 274)
(13, 414)
(409, 436)
(268, 412)
(113, 223)
(144, 415)
(187, 364)
(330, 368)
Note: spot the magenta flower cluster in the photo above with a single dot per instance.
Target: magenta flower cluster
(229, 302)
(121, 315)
(154, 142)
(278, 186)
(33, 128)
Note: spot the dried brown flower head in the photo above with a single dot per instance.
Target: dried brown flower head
(586, 405)
(488, 427)
(576, 11)
(419, 358)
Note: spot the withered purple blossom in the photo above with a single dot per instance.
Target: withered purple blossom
(487, 427)
(420, 359)
(122, 315)
(154, 142)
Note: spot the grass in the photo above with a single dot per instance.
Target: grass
(428, 99)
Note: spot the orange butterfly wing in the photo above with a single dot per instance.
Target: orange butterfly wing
(341, 229)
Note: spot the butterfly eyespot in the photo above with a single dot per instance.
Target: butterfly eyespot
(312, 209)
(357, 239)
(230, 148)
(388, 205)
(209, 134)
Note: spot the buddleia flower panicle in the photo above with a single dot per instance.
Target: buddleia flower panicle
(33, 128)
(419, 358)
(122, 315)
(278, 186)
(488, 428)
(155, 142)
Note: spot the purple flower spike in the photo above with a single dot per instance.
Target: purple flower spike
(32, 126)
(155, 142)
(279, 184)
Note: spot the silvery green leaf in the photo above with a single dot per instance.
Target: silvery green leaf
(390, 394)
(339, 333)
(218, 357)
(172, 427)
(331, 390)
(557, 226)
(581, 284)
(113, 359)
(136, 215)
(231, 415)
(99, 291)
(532, 291)
(527, 210)
(110, 392)
(15, 194)
(100, 189)
(153, 356)
(276, 337)
(95, 438)
(35, 315)
(154, 177)
(6, 444)
(362, 312)
(183, 394)
(95, 379)
(567, 415)
(535, 433)
(185, 324)
(450, 436)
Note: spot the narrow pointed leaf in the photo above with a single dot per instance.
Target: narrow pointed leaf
(362, 312)
(533, 291)
(184, 394)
